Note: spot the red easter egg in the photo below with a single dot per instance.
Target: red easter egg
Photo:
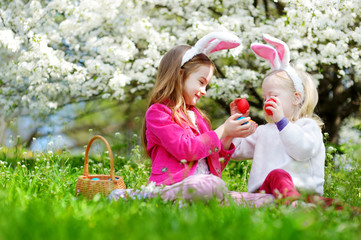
(243, 105)
(268, 112)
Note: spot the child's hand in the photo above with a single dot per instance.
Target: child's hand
(234, 109)
(276, 108)
(239, 128)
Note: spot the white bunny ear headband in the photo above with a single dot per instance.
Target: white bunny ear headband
(212, 42)
(279, 59)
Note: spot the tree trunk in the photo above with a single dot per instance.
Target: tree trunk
(3, 126)
(337, 101)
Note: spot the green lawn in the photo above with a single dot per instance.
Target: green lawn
(37, 202)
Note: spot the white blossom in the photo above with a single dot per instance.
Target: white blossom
(57, 52)
(8, 40)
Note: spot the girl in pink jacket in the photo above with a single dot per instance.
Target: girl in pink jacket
(187, 155)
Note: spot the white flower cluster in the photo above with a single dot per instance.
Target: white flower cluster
(9, 41)
(58, 52)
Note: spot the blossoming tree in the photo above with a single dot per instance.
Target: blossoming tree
(58, 52)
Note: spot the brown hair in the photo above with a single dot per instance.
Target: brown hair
(168, 87)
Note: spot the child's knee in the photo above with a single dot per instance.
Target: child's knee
(279, 173)
(209, 185)
(202, 187)
(205, 187)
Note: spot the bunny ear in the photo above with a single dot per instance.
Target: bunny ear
(222, 45)
(212, 42)
(268, 53)
(282, 48)
(280, 59)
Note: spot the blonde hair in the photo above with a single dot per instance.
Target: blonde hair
(307, 106)
(168, 87)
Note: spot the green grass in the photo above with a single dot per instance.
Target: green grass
(37, 202)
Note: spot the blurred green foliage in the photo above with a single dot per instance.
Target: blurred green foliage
(37, 201)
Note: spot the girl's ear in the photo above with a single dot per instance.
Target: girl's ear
(297, 99)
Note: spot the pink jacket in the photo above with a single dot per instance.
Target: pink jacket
(169, 143)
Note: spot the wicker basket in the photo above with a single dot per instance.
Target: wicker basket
(106, 184)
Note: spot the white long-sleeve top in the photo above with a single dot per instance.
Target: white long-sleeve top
(297, 149)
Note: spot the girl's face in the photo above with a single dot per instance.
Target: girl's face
(273, 86)
(195, 84)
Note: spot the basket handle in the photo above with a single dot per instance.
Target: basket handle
(86, 160)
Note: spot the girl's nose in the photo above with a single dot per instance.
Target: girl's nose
(203, 91)
(266, 99)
